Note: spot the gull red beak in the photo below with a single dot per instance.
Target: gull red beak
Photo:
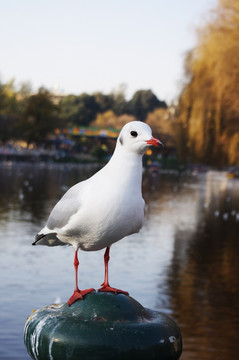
(154, 141)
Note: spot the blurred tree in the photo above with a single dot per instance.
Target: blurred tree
(110, 119)
(143, 102)
(106, 119)
(88, 109)
(69, 109)
(25, 89)
(105, 102)
(39, 118)
(209, 102)
(79, 110)
(33, 117)
(120, 104)
(22, 95)
(9, 111)
(164, 126)
(7, 97)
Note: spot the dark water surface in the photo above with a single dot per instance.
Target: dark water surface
(184, 262)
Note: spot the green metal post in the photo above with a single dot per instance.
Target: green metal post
(103, 326)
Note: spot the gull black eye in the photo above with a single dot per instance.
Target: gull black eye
(134, 133)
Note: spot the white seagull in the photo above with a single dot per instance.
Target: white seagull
(105, 208)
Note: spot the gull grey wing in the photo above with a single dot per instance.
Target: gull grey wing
(66, 207)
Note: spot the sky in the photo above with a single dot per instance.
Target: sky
(76, 46)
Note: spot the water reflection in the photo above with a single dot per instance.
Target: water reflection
(184, 262)
(30, 189)
(204, 296)
(197, 220)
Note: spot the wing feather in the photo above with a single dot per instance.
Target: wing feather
(66, 207)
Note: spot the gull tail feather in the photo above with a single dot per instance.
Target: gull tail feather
(50, 239)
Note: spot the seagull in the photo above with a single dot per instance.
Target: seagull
(97, 212)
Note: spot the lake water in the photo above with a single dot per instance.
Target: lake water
(184, 262)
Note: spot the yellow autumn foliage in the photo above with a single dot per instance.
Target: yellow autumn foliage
(110, 119)
(164, 126)
(209, 103)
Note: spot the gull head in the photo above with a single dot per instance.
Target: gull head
(136, 136)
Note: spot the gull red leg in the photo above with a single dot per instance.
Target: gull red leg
(78, 294)
(105, 286)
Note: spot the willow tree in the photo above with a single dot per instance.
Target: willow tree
(209, 102)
